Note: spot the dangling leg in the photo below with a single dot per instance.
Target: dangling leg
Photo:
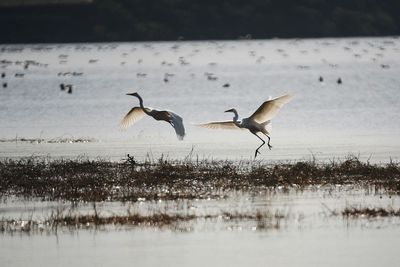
(257, 152)
(269, 139)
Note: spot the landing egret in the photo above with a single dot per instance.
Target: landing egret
(137, 113)
(257, 122)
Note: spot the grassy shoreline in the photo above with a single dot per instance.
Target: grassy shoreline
(82, 179)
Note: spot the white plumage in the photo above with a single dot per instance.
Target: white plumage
(257, 122)
(137, 113)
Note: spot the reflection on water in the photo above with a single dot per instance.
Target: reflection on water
(310, 229)
(314, 207)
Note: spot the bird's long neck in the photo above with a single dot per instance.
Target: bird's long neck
(141, 105)
(235, 118)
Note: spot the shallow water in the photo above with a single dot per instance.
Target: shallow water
(307, 235)
(335, 247)
(327, 120)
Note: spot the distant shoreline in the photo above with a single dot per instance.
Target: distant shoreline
(206, 40)
(78, 21)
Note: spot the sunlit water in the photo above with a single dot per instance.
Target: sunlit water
(325, 119)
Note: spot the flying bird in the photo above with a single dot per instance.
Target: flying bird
(137, 113)
(257, 122)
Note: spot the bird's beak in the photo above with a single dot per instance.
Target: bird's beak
(132, 94)
(229, 110)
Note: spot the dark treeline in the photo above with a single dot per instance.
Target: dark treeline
(142, 20)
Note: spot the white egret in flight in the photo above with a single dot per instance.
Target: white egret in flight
(257, 122)
(137, 113)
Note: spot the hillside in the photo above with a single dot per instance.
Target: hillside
(25, 21)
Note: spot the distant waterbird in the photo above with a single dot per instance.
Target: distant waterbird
(257, 122)
(166, 75)
(66, 87)
(69, 88)
(137, 113)
(339, 81)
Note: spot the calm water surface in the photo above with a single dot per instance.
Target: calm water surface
(359, 116)
(325, 119)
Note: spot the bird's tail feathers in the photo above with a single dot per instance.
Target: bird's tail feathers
(177, 123)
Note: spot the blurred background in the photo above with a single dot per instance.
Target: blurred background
(26, 21)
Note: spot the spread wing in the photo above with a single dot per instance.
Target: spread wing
(134, 115)
(270, 108)
(177, 123)
(219, 125)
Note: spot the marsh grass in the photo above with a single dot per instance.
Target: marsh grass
(83, 179)
(40, 140)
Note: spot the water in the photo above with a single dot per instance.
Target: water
(307, 235)
(327, 120)
(374, 247)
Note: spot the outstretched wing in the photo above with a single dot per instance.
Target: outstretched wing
(219, 125)
(177, 123)
(134, 115)
(270, 108)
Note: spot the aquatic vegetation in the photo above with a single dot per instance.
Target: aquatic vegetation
(83, 179)
(81, 182)
(264, 221)
(58, 140)
(370, 212)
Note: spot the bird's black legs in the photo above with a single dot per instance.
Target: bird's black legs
(269, 139)
(257, 152)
